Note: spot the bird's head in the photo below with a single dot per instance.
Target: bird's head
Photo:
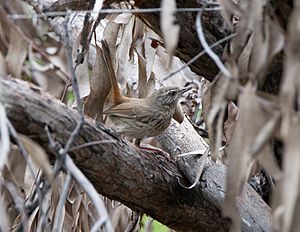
(168, 96)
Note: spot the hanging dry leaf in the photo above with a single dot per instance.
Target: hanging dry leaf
(231, 121)
(145, 86)
(291, 178)
(17, 52)
(239, 158)
(4, 137)
(100, 88)
(49, 81)
(82, 70)
(110, 35)
(138, 39)
(38, 155)
(126, 67)
(123, 18)
(269, 41)
(3, 71)
(250, 15)
(290, 129)
(161, 68)
(150, 51)
(169, 26)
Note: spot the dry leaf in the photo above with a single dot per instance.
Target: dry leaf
(150, 51)
(3, 71)
(145, 86)
(138, 39)
(4, 218)
(4, 137)
(13, 173)
(38, 155)
(291, 178)
(269, 41)
(249, 13)
(169, 26)
(16, 55)
(97, 7)
(100, 87)
(231, 121)
(123, 18)
(82, 70)
(110, 35)
(239, 158)
(290, 129)
(126, 68)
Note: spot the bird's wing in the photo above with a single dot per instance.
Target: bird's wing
(133, 109)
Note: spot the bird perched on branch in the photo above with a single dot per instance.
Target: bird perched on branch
(140, 117)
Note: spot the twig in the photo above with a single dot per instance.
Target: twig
(43, 214)
(92, 193)
(191, 153)
(19, 205)
(107, 11)
(58, 220)
(205, 46)
(80, 123)
(202, 161)
(203, 52)
(91, 144)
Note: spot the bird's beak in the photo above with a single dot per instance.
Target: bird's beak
(185, 89)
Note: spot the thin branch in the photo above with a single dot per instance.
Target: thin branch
(199, 55)
(205, 46)
(58, 220)
(18, 204)
(107, 11)
(92, 193)
(80, 123)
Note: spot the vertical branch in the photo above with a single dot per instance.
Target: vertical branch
(75, 88)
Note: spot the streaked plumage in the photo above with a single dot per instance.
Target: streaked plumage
(145, 117)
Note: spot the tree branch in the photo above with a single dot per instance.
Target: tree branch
(145, 183)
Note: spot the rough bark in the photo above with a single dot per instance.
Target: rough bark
(145, 183)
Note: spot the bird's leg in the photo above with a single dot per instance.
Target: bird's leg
(151, 149)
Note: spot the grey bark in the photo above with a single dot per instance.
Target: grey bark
(145, 183)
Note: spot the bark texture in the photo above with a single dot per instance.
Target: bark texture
(145, 183)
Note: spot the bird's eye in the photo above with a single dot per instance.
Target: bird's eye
(172, 93)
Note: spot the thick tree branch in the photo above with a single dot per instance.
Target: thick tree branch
(189, 45)
(145, 183)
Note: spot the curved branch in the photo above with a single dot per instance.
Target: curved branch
(145, 183)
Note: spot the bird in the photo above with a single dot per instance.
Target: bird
(139, 118)
(146, 117)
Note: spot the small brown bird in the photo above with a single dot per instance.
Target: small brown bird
(146, 117)
(140, 117)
